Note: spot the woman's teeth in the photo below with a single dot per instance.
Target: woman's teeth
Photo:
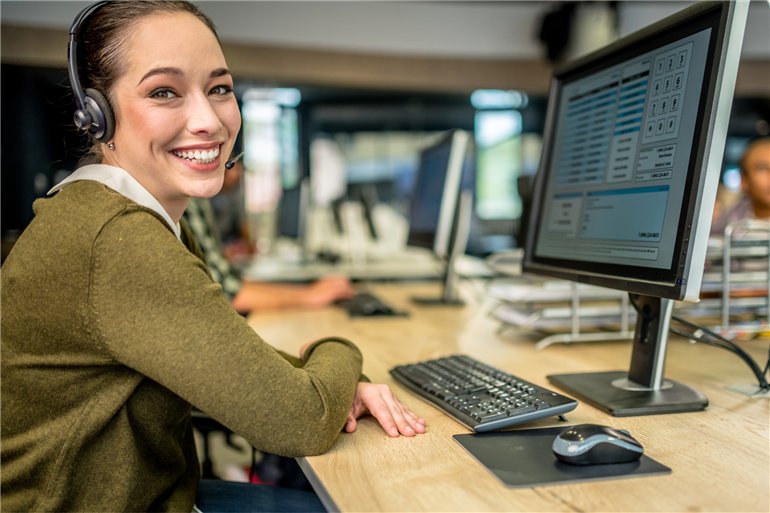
(201, 157)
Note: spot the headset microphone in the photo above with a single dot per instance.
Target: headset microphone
(230, 163)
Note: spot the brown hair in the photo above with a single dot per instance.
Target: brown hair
(749, 148)
(102, 38)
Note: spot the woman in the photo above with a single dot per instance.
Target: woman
(112, 327)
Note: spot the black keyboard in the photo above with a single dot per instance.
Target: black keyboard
(478, 395)
(366, 304)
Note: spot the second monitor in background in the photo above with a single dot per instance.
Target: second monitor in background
(441, 206)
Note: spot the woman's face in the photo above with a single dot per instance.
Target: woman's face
(175, 112)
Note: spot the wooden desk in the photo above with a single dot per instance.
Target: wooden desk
(720, 457)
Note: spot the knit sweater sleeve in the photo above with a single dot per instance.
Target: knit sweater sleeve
(159, 313)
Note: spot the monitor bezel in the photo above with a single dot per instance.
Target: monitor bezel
(682, 279)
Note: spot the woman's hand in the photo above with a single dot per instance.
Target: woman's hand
(378, 400)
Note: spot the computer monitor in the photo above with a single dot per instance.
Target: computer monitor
(439, 215)
(625, 191)
(292, 215)
(435, 192)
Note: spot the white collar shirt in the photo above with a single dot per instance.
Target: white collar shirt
(120, 181)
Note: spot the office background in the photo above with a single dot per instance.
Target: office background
(381, 79)
(377, 78)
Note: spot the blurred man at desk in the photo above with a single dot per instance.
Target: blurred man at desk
(755, 184)
(247, 296)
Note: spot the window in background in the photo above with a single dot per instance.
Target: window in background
(498, 128)
(731, 171)
(271, 159)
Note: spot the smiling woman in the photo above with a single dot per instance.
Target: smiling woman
(177, 93)
(112, 327)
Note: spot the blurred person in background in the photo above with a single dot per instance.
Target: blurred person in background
(755, 186)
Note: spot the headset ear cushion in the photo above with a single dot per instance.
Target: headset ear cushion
(103, 125)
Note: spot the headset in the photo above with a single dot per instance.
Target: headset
(93, 114)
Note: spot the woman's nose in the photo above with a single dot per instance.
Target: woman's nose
(202, 117)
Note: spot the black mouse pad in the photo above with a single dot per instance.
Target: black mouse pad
(524, 458)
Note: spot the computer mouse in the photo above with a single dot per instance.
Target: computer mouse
(592, 444)
(367, 304)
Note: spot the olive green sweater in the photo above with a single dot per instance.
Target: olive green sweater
(111, 330)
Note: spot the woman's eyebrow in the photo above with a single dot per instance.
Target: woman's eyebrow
(161, 71)
(219, 72)
(168, 70)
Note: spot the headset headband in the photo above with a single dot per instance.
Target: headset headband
(72, 53)
(93, 114)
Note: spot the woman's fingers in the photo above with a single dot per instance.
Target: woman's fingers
(394, 417)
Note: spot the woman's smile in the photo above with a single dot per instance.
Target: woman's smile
(204, 158)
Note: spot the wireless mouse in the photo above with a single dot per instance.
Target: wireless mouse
(592, 444)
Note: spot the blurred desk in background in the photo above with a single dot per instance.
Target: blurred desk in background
(410, 266)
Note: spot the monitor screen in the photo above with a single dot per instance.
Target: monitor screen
(630, 164)
(292, 213)
(626, 186)
(289, 214)
(436, 189)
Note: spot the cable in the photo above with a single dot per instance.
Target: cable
(763, 384)
(713, 339)
(767, 365)
(716, 340)
(714, 335)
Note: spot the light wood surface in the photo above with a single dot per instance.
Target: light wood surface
(720, 458)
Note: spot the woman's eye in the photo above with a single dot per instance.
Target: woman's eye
(222, 90)
(163, 94)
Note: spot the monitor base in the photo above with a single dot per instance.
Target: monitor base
(437, 301)
(605, 390)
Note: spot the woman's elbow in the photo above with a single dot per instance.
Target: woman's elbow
(312, 443)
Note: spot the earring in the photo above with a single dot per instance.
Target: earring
(111, 145)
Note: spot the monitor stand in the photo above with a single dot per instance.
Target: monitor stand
(642, 390)
(450, 295)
